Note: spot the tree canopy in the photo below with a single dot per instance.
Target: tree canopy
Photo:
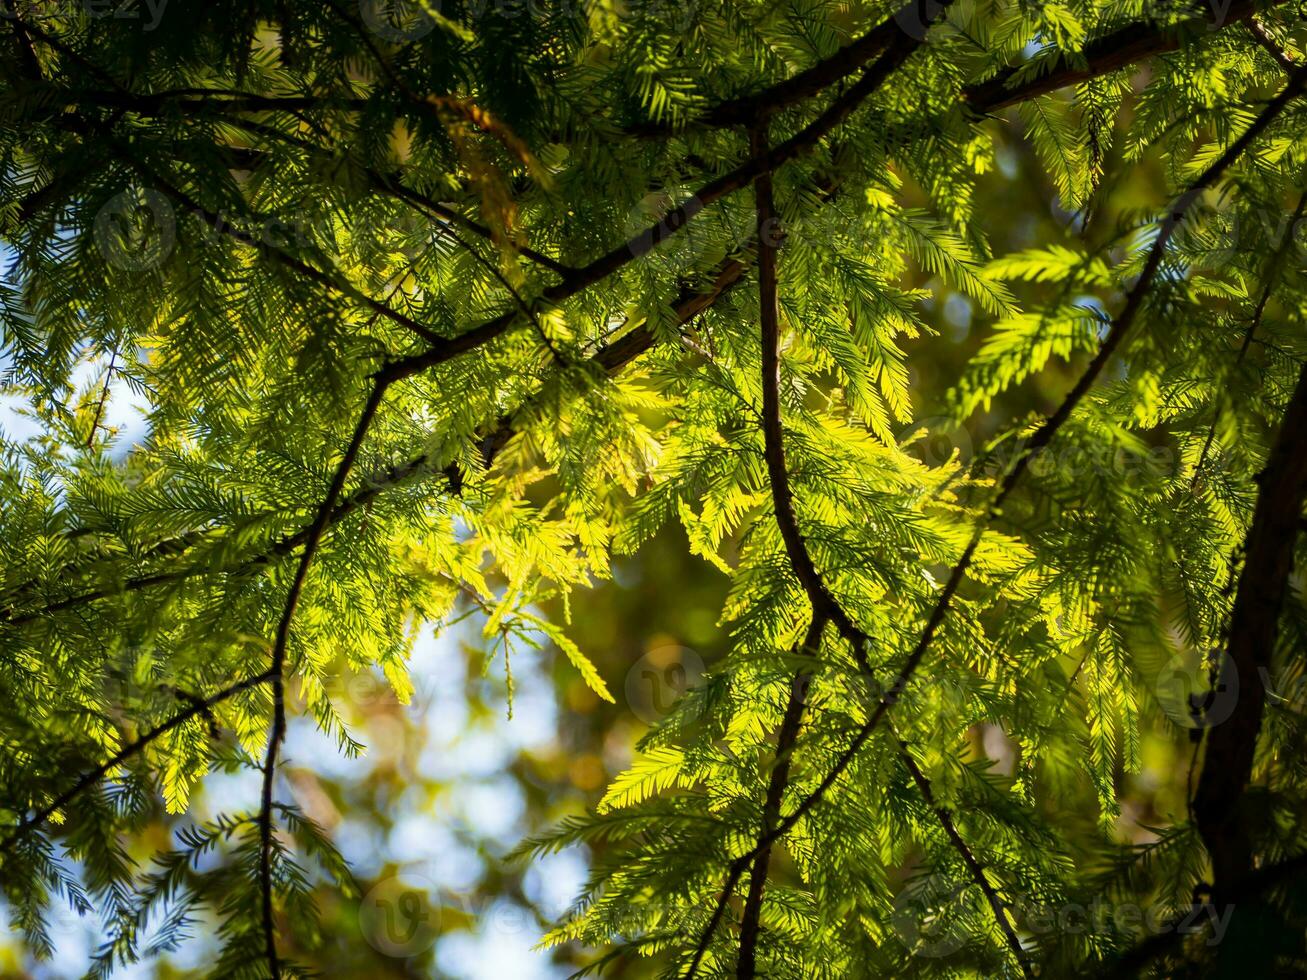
(958, 347)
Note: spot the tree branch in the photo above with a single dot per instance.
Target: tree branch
(26, 53)
(974, 867)
(714, 190)
(769, 236)
(393, 186)
(786, 737)
(93, 776)
(277, 671)
(1254, 627)
(104, 396)
(610, 359)
(825, 607)
(1272, 273)
(1120, 49)
(1266, 41)
(337, 284)
(1120, 327)
(810, 82)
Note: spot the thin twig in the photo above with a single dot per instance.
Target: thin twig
(1268, 284)
(974, 867)
(335, 283)
(396, 188)
(609, 359)
(104, 394)
(93, 776)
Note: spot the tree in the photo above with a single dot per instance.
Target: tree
(435, 309)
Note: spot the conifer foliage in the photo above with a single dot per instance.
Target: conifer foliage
(442, 306)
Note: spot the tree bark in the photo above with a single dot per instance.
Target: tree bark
(1254, 626)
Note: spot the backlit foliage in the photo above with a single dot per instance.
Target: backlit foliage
(523, 235)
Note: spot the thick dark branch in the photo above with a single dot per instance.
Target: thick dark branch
(1268, 43)
(88, 779)
(1254, 627)
(810, 82)
(640, 244)
(26, 53)
(1121, 48)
